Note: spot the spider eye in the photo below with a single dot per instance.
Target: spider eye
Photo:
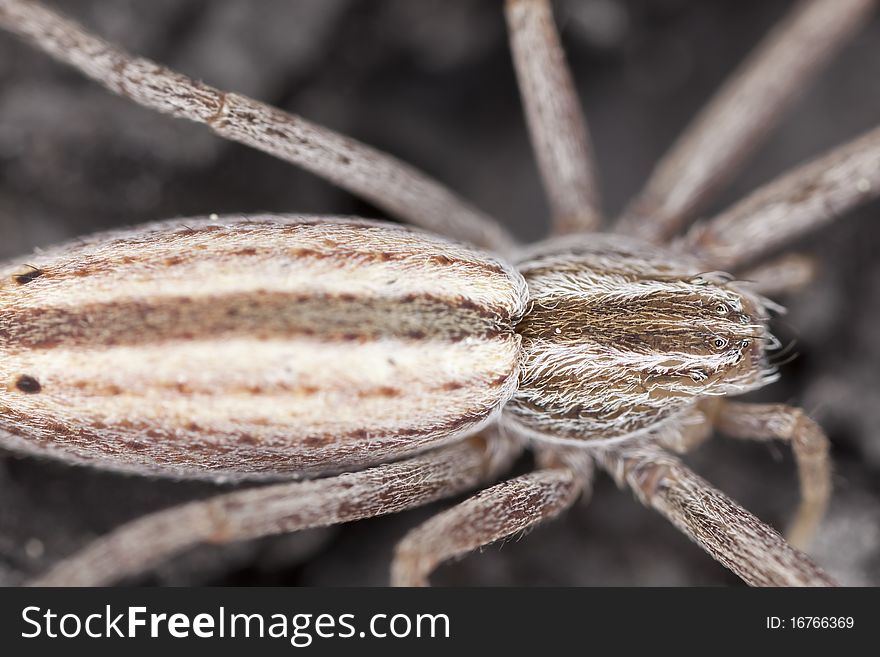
(719, 343)
(698, 375)
(721, 308)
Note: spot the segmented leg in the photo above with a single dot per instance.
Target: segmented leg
(767, 422)
(730, 534)
(691, 430)
(556, 122)
(786, 274)
(748, 106)
(810, 447)
(796, 202)
(492, 514)
(283, 508)
(387, 182)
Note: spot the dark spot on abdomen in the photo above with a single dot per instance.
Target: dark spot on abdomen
(28, 384)
(26, 277)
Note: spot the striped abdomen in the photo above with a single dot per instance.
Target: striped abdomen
(240, 347)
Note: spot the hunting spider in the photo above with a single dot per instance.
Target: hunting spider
(631, 342)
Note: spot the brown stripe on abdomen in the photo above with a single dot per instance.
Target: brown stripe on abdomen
(177, 251)
(257, 314)
(299, 399)
(145, 448)
(181, 255)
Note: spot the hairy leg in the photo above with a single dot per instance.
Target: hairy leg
(692, 429)
(748, 106)
(556, 122)
(810, 447)
(492, 514)
(767, 422)
(799, 201)
(282, 508)
(385, 181)
(785, 274)
(727, 532)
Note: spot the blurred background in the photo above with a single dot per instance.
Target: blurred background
(431, 82)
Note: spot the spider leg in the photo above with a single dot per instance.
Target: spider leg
(796, 202)
(281, 508)
(690, 430)
(383, 180)
(492, 514)
(785, 274)
(731, 127)
(767, 422)
(810, 447)
(727, 532)
(556, 121)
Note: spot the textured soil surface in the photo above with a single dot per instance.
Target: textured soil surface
(431, 82)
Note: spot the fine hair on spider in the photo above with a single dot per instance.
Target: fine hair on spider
(373, 368)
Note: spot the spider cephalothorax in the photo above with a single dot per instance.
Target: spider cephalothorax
(620, 336)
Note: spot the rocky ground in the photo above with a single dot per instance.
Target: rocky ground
(431, 82)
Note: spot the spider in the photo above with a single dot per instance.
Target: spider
(691, 400)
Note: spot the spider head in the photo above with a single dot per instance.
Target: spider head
(661, 338)
(723, 337)
(620, 335)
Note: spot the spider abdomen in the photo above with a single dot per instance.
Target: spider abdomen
(268, 346)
